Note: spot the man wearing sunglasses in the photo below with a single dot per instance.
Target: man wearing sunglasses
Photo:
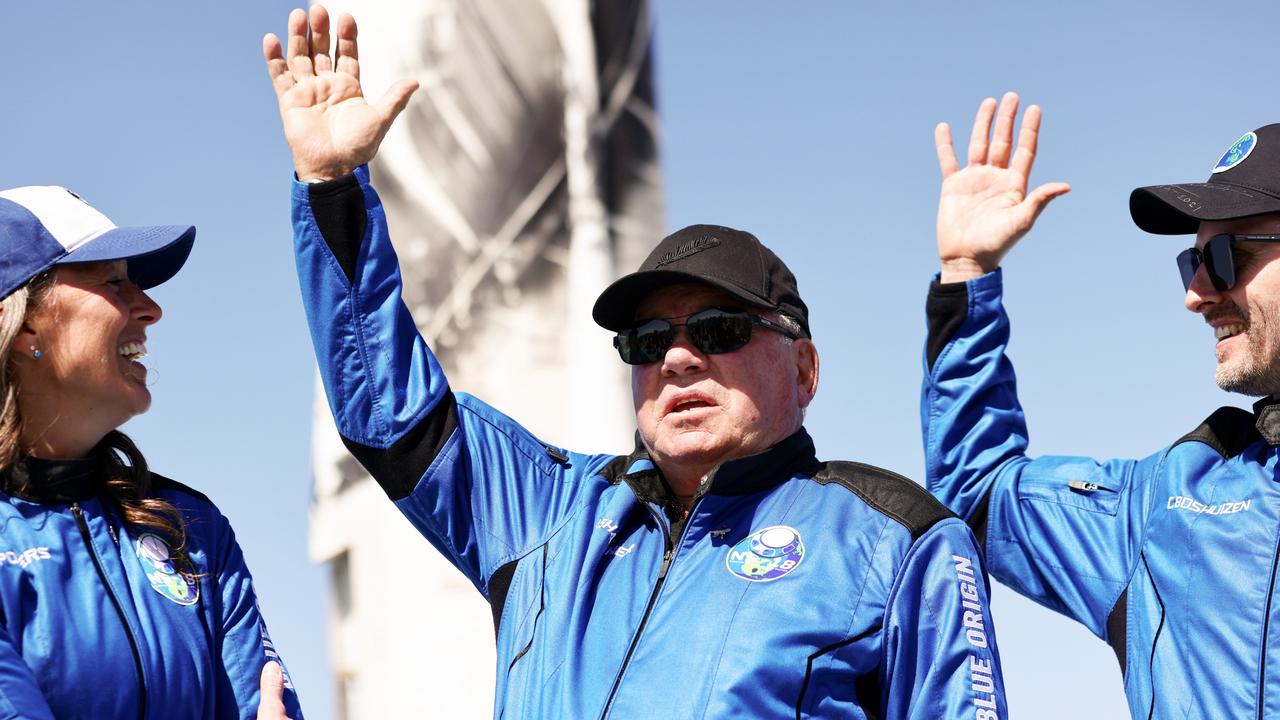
(718, 571)
(1171, 559)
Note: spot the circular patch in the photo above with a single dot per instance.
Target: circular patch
(1236, 154)
(766, 554)
(172, 577)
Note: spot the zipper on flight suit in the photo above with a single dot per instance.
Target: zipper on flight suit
(115, 602)
(1266, 632)
(667, 557)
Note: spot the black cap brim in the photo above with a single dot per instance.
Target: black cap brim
(615, 309)
(1179, 209)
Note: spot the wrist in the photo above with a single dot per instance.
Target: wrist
(954, 270)
(312, 177)
(311, 174)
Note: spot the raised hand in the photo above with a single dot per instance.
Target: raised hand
(327, 123)
(985, 209)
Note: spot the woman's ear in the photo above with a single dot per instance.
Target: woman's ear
(26, 344)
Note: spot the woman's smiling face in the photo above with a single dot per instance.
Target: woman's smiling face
(90, 330)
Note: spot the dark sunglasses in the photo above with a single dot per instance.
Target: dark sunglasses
(712, 331)
(1218, 258)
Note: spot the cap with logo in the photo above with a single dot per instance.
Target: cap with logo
(731, 260)
(1246, 181)
(42, 226)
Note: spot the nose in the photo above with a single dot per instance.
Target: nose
(682, 357)
(142, 308)
(1201, 293)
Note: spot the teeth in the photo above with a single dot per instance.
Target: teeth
(133, 350)
(1226, 331)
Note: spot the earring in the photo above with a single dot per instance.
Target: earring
(35, 352)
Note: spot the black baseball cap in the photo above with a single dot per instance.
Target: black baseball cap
(1246, 181)
(732, 260)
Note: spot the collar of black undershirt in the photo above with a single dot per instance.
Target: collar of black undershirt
(53, 481)
(740, 476)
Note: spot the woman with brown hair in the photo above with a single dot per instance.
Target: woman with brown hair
(122, 593)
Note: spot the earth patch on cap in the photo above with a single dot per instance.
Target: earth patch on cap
(1236, 154)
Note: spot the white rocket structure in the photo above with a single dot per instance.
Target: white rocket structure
(521, 179)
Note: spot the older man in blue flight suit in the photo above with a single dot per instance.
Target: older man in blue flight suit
(720, 570)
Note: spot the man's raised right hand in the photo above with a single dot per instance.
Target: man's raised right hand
(984, 208)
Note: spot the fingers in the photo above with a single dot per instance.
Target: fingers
(1028, 140)
(348, 58)
(395, 99)
(1041, 196)
(277, 68)
(947, 162)
(1002, 138)
(298, 55)
(319, 24)
(271, 693)
(981, 129)
(1037, 200)
(308, 48)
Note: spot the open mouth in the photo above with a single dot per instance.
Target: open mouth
(1223, 332)
(690, 404)
(687, 401)
(133, 351)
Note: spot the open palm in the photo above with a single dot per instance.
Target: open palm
(329, 126)
(984, 208)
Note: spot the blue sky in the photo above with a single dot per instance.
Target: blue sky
(809, 124)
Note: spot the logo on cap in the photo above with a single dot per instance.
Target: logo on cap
(693, 247)
(766, 554)
(1236, 154)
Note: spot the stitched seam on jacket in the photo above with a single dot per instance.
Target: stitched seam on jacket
(353, 297)
(357, 321)
(570, 515)
(932, 472)
(1073, 571)
(924, 599)
(452, 450)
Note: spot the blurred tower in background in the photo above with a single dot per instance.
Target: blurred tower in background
(522, 178)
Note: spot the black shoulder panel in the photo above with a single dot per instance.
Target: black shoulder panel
(160, 482)
(904, 501)
(499, 585)
(1117, 629)
(946, 309)
(338, 206)
(399, 467)
(616, 468)
(1228, 430)
(978, 521)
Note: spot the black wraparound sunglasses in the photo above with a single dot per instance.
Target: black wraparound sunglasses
(1218, 258)
(712, 331)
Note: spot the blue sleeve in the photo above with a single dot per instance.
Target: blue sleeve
(20, 695)
(243, 643)
(477, 485)
(941, 659)
(1064, 531)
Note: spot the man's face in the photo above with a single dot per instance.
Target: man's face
(695, 410)
(1245, 318)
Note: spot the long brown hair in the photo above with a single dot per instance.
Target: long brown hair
(128, 482)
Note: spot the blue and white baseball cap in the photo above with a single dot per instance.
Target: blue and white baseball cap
(46, 225)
